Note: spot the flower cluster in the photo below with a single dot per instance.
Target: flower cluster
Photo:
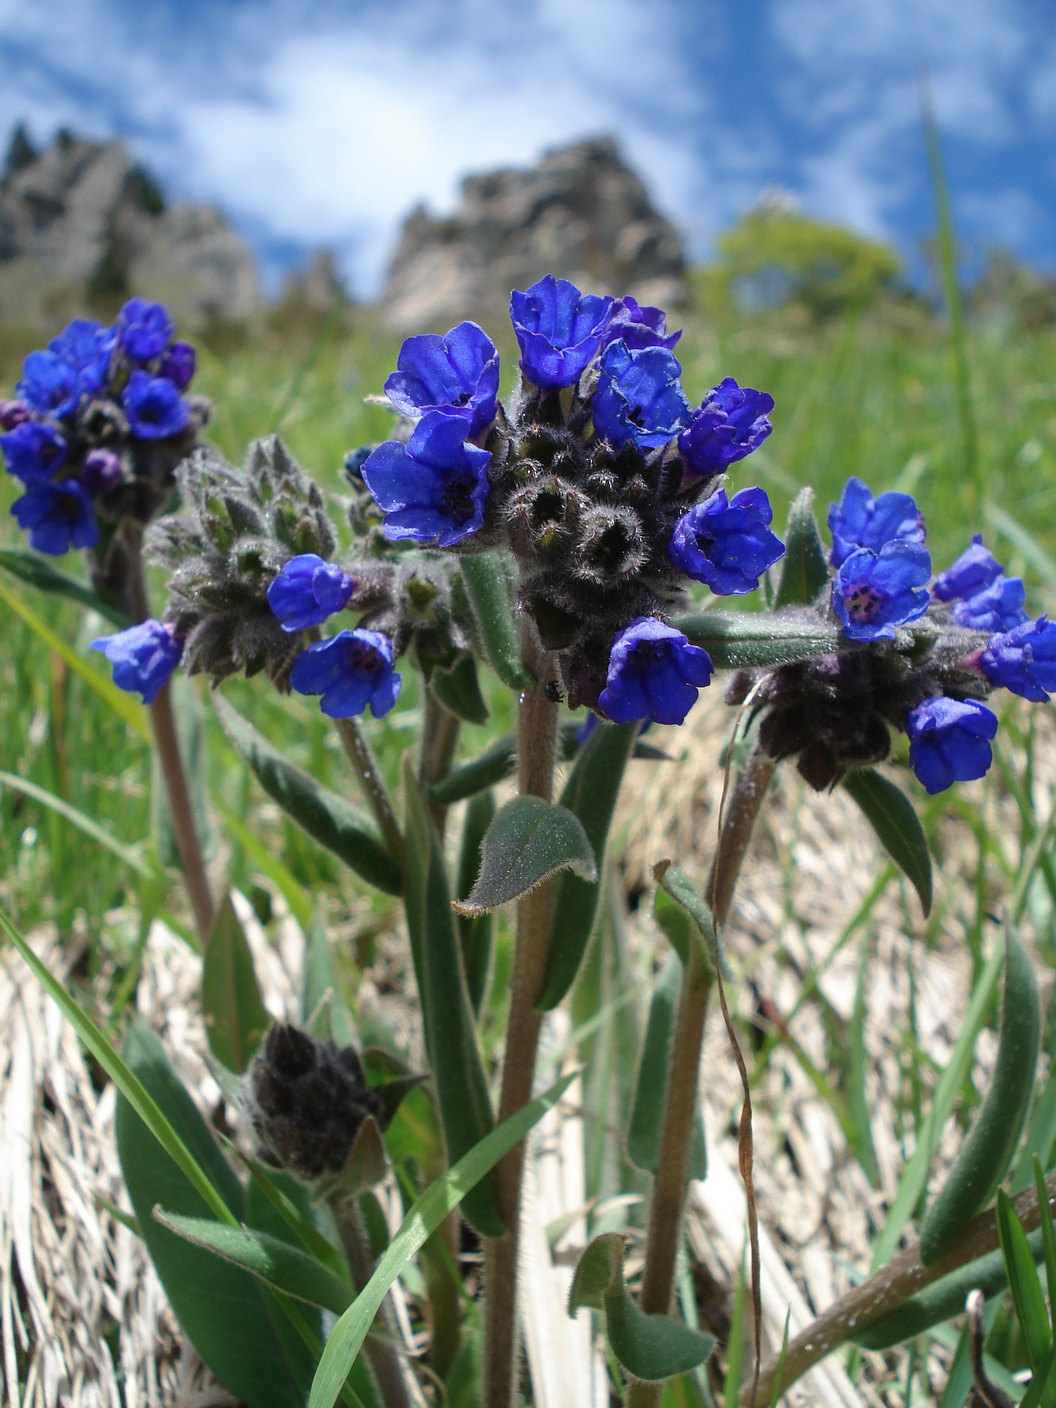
(600, 479)
(99, 424)
(908, 658)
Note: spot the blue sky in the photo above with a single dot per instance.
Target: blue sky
(323, 121)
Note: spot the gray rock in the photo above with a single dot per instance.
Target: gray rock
(581, 214)
(81, 225)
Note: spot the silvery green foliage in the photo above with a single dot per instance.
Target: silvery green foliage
(237, 529)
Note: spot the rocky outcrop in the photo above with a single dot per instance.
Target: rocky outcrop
(581, 214)
(81, 225)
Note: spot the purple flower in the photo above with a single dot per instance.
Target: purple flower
(654, 673)
(638, 326)
(143, 329)
(49, 385)
(58, 516)
(434, 487)
(873, 592)
(177, 364)
(307, 591)
(101, 471)
(639, 397)
(33, 450)
(729, 423)
(998, 607)
(154, 407)
(86, 345)
(727, 543)
(350, 670)
(558, 329)
(949, 741)
(860, 521)
(1023, 659)
(973, 572)
(12, 415)
(143, 657)
(458, 372)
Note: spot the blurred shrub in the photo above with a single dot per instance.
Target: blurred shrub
(1013, 294)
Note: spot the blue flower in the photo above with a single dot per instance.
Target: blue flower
(727, 543)
(639, 397)
(949, 741)
(873, 592)
(49, 385)
(307, 591)
(729, 423)
(973, 572)
(143, 657)
(558, 329)
(58, 515)
(33, 450)
(998, 607)
(458, 372)
(1023, 659)
(12, 415)
(177, 364)
(101, 471)
(654, 673)
(143, 329)
(638, 326)
(350, 670)
(154, 407)
(860, 521)
(434, 487)
(86, 345)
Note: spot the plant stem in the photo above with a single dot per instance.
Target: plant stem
(368, 775)
(885, 1292)
(439, 741)
(537, 729)
(388, 1364)
(680, 1107)
(167, 742)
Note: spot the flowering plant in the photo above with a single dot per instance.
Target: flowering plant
(574, 538)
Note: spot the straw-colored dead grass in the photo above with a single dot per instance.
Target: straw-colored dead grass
(84, 1321)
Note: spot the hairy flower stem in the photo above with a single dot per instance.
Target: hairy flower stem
(885, 1292)
(382, 1351)
(167, 742)
(537, 729)
(670, 1185)
(368, 775)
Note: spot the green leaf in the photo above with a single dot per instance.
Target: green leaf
(649, 1347)
(426, 1215)
(287, 884)
(476, 775)
(328, 818)
(589, 794)
(1023, 1283)
(221, 1307)
(683, 916)
(447, 1014)
(235, 1016)
(475, 933)
(126, 854)
(458, 690)
(268, 1258)
(805, 569)
(319, 986)
(126, 1080)
(738, 640)
(122, 703)
(35, 570)
(528, 842)
(488, 589)
(894, 819)
(1048, 1239)
(990, 1144)
(650, 1096)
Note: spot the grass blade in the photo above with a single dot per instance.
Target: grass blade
(126, 854)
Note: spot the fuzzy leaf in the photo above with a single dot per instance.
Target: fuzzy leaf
(529, 841)
(328, 818)
(458, 690)
(475, 933)
(235, 1017)
(747, 640)
(683, 915)
(894, 819)
(805, 569)
(988, 1147)
(650, 1096)
(476, 775)
(30, 567)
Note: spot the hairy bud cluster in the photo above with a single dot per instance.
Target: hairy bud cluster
(237, 529)
(307, 1100)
